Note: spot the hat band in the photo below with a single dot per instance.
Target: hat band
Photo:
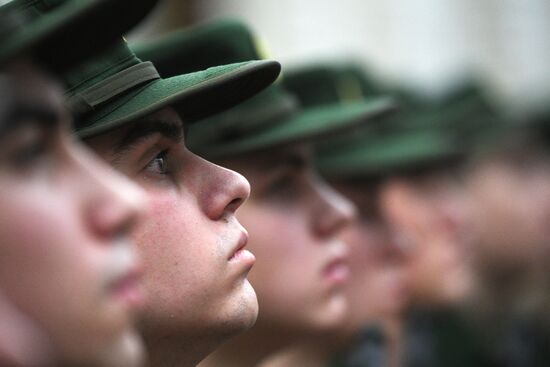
(112, 86)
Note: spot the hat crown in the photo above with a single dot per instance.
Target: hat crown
(463, 107)
(319, 85)
(99, 68)
(201, 47)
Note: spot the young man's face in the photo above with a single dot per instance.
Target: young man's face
(191, 242)
(426, 217)
(66, 261)
(378, 286)
(294, 218)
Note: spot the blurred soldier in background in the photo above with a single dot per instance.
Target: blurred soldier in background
(508, 188)
(377, 290)
(424, 204)
(405, 166)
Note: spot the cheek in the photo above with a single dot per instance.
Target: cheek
(39, 243)
(439, 270)
(535, 209)
(47, 255)
(506, 215)
(359, 290)
(497, 201)
(427, 265)
(380, 289)
(177, 245)
(277, 237)
(362, 244)
(285, 257)
(377, 287)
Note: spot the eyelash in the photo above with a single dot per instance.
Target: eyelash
(284, 187)
(164, 156)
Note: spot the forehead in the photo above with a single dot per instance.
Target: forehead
(165, 122)
(28, 82)
(360, 192)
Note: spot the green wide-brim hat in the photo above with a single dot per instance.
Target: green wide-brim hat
(61, 33)
(424, 136)
(195, 95)
(302, 126)
(383, 154)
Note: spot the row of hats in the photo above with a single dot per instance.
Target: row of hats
(110, 83)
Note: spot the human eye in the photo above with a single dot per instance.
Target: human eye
(29, 148)
(283, 188)
(159, 164)
(30, 153)
(279, 186)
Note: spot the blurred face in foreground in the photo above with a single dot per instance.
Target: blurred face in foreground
(426, 216)
(66, 263)
(196, 265)
(378, 284)
(294, 219)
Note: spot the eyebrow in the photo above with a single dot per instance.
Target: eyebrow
(143, 129)
(23, 113)
(295, 161)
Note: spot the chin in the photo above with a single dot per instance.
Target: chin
(243, 311)
(249, 306)
(331, 316)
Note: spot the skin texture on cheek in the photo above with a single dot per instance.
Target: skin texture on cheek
(174, 264)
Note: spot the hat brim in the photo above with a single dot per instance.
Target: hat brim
(74, 30)
(271, 105)
(388, 155)
(307, 125)
(194, 96)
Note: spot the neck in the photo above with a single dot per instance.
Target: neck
(248, 349)
(319, 351)
(504, 296)
(393, 331)
(178, 351)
